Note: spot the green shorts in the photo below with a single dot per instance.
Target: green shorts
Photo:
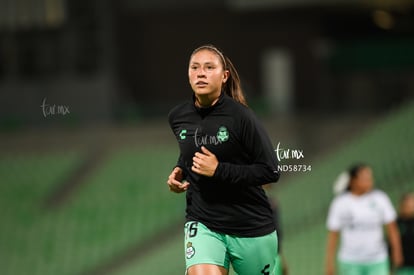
(380, 268)
(248, 255)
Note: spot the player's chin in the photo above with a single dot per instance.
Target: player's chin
(202, 91)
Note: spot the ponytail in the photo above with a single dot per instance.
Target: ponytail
(232, 87)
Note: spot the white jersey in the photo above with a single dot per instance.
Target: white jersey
(360, 220)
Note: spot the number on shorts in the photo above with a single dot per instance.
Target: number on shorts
(192, 229)
(265, 270)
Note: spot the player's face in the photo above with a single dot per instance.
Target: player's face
(364, 181)
(206, 73)
(407, 206)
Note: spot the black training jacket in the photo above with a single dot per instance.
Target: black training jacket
(233, 200)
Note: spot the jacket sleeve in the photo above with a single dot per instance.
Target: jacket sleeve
(263, 167)
(171, 117)
(181, 164)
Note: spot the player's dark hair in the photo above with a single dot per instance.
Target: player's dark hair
(354, 169)
(232, 87)
(353, 172)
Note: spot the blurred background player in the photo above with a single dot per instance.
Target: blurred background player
(405, 223)
(282, 266)
(357, 216)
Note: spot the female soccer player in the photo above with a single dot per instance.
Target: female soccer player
(358, 216)
(225, 158)
(405, 223)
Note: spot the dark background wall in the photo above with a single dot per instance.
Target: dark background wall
(111, 61)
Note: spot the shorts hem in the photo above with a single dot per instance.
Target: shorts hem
(206, 262)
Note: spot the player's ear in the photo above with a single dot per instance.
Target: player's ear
(226, 75)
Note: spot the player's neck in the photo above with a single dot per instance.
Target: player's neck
(205, 101)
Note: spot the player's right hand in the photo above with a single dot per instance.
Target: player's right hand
(175, 181)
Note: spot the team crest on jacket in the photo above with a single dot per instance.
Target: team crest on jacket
(190, 250)
(223, 134)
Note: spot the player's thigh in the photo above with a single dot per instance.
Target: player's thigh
(204, 247)
(256, 255)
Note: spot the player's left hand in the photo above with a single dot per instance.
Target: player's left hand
(205, 162)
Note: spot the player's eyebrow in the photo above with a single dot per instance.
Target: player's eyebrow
(205, 63)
